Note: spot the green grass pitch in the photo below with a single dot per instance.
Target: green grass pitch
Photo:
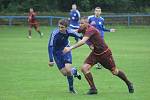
(25, 75)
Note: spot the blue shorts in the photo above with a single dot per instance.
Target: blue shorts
(61, 59)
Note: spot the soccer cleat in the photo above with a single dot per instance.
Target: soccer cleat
(78, 76)
(29, 37)
(99, 66)
(42, 34)
(131, 88)
(76, 73)
(73, 91)
(92, 91)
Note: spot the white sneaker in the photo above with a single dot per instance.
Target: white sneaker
(42, 34)
(29, 37)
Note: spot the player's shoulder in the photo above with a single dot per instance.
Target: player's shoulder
(91, 16)
(101, 18)
(77, 11)
(69, 30)
(90, 29)
(55, 31)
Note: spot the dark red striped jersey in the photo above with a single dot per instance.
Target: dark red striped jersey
(94, 38)
(31, 18)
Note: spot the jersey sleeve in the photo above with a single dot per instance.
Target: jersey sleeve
(74, 34)
(89, 19)
(78, 14)
(103, 27)
(50, 47)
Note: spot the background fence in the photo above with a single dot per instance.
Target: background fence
(130, 19)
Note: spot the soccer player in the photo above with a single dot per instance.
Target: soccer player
(74, 17)
(100, 54)
(98, 22)
(33, 23)
(57, 42)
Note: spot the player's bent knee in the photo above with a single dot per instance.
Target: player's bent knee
(115, 71)
(68, 73)
(84, 69)
(63, 72)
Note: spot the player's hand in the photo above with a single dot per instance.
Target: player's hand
(112, 30)
(66, 49)
(91, 47)
(51, 64)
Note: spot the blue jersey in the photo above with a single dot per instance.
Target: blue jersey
(57, 42)
(74, 19)
(98, 22)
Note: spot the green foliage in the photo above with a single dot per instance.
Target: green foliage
(85, 5)
(65, 5)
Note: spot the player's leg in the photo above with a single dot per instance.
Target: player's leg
(108, 62)
(123, 77)
(64, 69)
(36, 26)
(29, 32)
(69, 77)
(68, 59)
(89, 62)
(88, 76)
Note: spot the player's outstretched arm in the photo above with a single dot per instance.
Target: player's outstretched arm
(78, 44)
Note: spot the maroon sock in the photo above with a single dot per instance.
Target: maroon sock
(122, 76)
(89, 78)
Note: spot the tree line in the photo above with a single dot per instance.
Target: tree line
(115, 6)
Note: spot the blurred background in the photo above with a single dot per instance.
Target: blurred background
(24, 71)
(124, 12)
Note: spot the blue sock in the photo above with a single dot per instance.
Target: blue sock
(74, 71)
(70, 82)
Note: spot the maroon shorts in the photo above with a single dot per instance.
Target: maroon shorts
(105, 59)
(35, 25)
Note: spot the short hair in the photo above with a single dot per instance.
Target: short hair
(64, 22)
(98, 8)
(85, 18)
(74, 4)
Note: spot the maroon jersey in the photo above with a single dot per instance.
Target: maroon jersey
(31, 18)
(95, 39)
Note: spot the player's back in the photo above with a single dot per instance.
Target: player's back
(74, 18)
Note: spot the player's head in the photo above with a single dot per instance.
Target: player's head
(31, 10)
(83, 22)
(97, 11)
(74, 7)
(62, 25)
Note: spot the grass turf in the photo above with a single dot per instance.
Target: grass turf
(25, 75)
